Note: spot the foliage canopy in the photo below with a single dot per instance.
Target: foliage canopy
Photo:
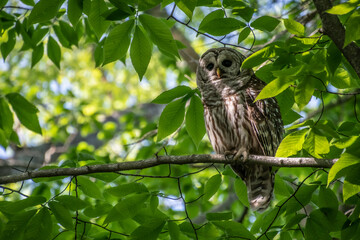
(67, 101)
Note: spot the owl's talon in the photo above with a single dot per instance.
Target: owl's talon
(229, 155)
(242, 154)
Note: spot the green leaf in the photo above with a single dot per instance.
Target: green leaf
(187, 6)
(3, 139)
(127, 207)
(285, 236)
(304, 91)
(244, 12)
(174, 230)
(241, 192)
(316, 144)
(126, 189)
(171, 118)
(211, 186)
(281, 187)
(106, 177)
(222, 26)
(154, 203)
(263, 221)
(303, 197)
(14, 228)
(74, 11)
(62, 39)
(317, 64)
(333, 57)
(290, 116)
(62, 214)
(171, 94)
(265, 23)
(147, 4)
(38, 35)
(259, 57)
(39, 226)
(344, 142)
(234, 229)
(37, 54)
(44, 10)
(25, 111)
(294, 27)
(352, 28)
(194, 120)
(84, 156)
(326, 128)
(349, 128)
(343, 8)
(6, 118)
(160, 34)
(54, 51)
(327, 199)
(17, 206)
(292, 143)
(351, 231)
(293, 71)
(96, 20)
(28, 2)
(99, 55)
(140, 52)
(7, 47)
(211, 16)
(219, 216)
(275, 87)
(352, 174)
(115, 14)
(118, 41)
(98, 209)
(316, 227)
(72, 203)
(345, 160)
(294, 221)
(150, 232)
(244, 34)
(69, 33)
(123, 5)
(350, 190)
(88, 187)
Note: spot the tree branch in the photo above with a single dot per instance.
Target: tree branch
(179, 160)
(335, 30)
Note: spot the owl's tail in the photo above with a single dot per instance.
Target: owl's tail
(259, 181)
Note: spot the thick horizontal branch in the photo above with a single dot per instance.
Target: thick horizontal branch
(179, 160)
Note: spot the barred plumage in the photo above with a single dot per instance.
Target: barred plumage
(237, 125)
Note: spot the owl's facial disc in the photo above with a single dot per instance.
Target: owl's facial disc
(229, 64)
(221, 63)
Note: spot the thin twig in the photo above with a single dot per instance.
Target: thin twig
(279, 207)
(185, 209)
(98, 225)
(209, 36)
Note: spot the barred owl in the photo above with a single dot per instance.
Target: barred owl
(235, 124)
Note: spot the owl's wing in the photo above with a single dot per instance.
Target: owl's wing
(265, 118)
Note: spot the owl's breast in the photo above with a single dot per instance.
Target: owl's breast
(225, 123)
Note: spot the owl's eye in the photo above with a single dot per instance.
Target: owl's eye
(226, 63)
(210, 66)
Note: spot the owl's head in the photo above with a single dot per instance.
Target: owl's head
(219, 63)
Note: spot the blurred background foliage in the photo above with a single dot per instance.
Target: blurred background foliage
(53, 75)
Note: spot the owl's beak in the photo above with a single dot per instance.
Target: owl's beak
(218, 72)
